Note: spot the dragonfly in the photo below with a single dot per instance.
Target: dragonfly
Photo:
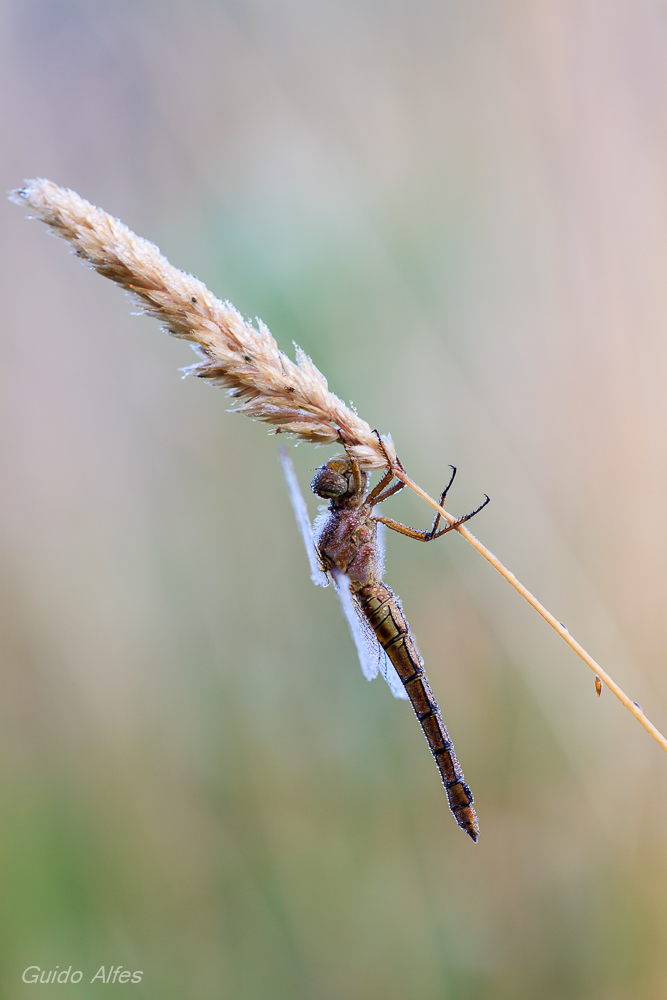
(345, 545)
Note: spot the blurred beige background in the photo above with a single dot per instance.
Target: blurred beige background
(460, 212)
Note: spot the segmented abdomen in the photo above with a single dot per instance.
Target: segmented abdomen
(384, 613)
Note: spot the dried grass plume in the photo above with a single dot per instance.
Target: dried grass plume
(267, 384)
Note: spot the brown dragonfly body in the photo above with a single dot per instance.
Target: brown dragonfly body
(347, 547)
(384, 613)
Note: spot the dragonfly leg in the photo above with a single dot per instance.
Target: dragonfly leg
(391, 463)
(436, 519)
(377, 495)
(428, 536)
(354, 465)
(377, 489)
(387, 493)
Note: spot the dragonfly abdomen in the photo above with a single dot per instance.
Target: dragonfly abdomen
(386, 617)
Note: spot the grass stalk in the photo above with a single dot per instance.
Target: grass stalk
(563, 632)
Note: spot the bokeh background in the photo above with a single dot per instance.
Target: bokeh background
(460, 212)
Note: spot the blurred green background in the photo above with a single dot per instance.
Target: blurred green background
(460, 212)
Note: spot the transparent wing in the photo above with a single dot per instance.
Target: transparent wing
(381, 538)
(368, 650)
(387, 668)
(317, 574)
(388, 671)
(372, 656)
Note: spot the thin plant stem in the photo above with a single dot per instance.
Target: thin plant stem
(631, 706)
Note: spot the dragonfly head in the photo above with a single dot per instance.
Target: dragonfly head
(335, 481)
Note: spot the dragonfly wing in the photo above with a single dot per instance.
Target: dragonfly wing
(372, 657)
(317, 574)
(380, 548)
(395, 683)
(369, 658)
(387, 668)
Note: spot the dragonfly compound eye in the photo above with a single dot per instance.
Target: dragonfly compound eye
(328, 484)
